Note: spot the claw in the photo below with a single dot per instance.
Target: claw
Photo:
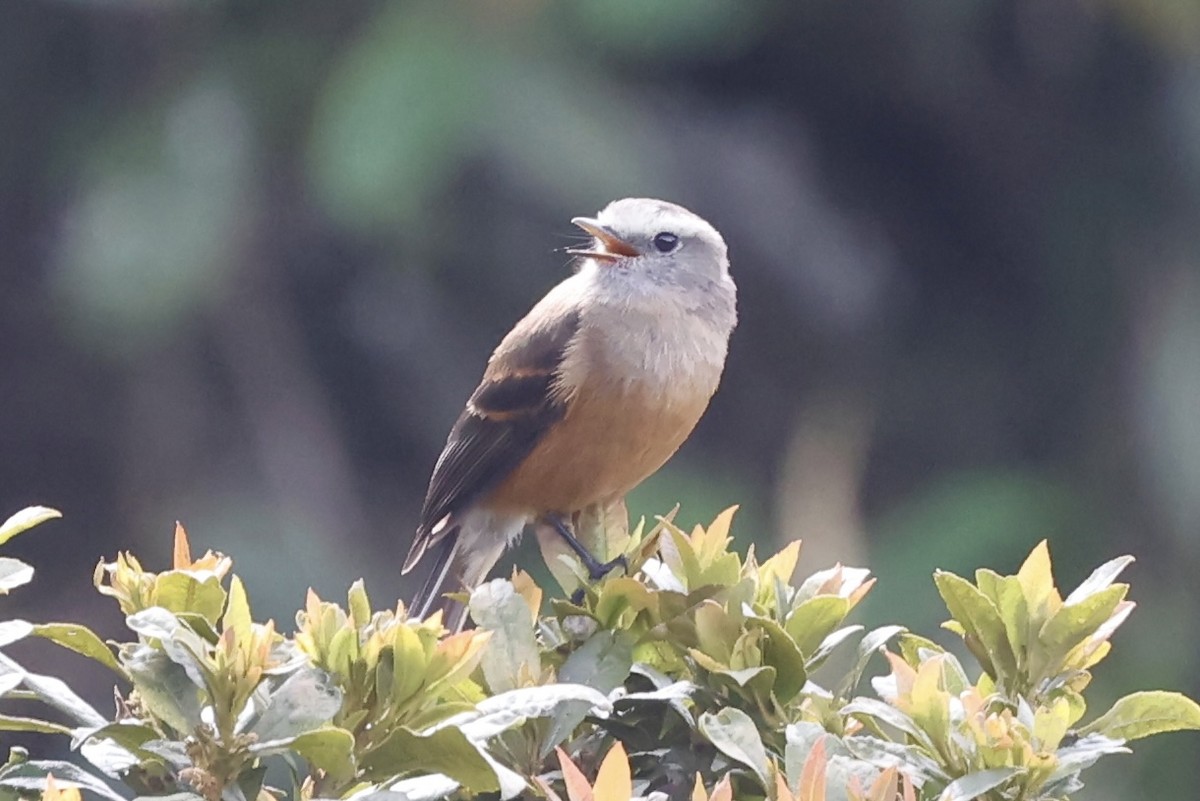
(595, 568)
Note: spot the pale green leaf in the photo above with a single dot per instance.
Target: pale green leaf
(81, 640)
(446, 750)
(512, 654)
(812, 621)
(13, 574)
(327, 748)
(237, 611)
(306, 700)
(974, 785)
(734, 734)
(13, 630)
(12, 723)
(980, 618)
(56, 693)
(187, 591)
(868, 646)
(1074, 623)
(31, 776)
(1145, 713)
(1101, 578)
(26, 519)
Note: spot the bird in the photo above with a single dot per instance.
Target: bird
(588, 395)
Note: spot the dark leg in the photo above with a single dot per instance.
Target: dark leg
(595, 568)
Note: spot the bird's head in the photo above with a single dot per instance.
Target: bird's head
(660, 239)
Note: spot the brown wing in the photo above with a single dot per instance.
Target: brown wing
(505, 418)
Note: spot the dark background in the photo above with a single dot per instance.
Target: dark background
(253, 257)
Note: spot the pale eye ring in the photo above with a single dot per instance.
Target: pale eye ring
(665, 241)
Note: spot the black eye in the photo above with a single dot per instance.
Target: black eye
(665, 242)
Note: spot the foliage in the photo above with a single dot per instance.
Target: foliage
(699, 674)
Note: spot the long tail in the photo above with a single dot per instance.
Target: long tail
(459, 561)
(430, 597)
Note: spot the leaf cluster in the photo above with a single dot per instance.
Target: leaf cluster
(700, 674)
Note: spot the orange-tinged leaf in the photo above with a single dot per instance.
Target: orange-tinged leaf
(183, 552)
(55, 793)
(723, 791)
(782, 791)
(712, 541)
(812, 776)
(861, 592)
(782, 565)
(578, 788)
(833, 582)
(529, 591)
(613, 781)
(698, 793)
(885, 787)
(545, 789)
(903, 672)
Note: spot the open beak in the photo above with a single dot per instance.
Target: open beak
(607, 245)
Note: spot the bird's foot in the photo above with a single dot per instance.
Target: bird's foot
(596, 571)
(595, 568)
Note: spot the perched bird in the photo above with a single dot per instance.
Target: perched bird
(589, 394)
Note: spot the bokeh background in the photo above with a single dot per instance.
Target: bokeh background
(253, 257)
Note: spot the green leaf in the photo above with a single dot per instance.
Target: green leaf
(183, 591)
(26, 519)
(884, 754)
(911, 646)
(328, 748)
(358, 603)
(1074, 623)
(165, 688)
(182, 645)
(237, 610)
(1014, 612)
(31, 776)
(889, 715)
(813, 620)
(114, 747)
(56, 693)
(446, 750)
(974, 785)
(734, 734)
(779, 651)
(1143, 714)
(981, 620)
(13, 723)
(829, 645)
(602, 663)
(81, 640)
(1084, 753)
(512, 708)
(513, 653)
(868, 646)
(306, 700)
(13, 574)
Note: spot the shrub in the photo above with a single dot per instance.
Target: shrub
(697, 675)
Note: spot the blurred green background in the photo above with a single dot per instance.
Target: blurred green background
(253, 256)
